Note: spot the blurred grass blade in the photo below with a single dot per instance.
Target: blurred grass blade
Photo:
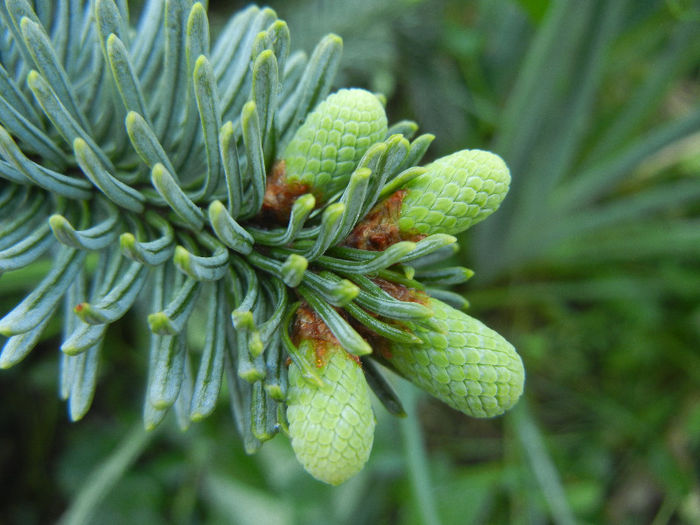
(638, 206)
(570, 124)
(647, 239)
(416, 458)
(541, 464)
(245, 505)
(104, 477)
(594, 181)
(533, 89)
(230, 38)
(407, 128)
(680, 53)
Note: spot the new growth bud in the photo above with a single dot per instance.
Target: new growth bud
(466, 364)
(456, 192)
(331, 426)
(325, 150)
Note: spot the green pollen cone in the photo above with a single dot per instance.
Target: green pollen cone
(331, 427)
(467, 365)
(456, 192)
(327, 147)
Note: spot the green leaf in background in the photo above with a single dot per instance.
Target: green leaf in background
(536, 9)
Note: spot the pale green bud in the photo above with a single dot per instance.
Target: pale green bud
(331, 427)
(466, 364)
(327, 147)
(456, 192)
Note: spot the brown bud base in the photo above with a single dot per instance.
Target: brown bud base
(380, 345)
(308, 326)
(280, 194)
(401, 292)
(379, 229)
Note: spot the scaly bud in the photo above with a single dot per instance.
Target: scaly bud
(331, 427)
(456, 192)
(466, 364)
(326, 149)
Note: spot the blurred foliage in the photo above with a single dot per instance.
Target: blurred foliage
(591, 268)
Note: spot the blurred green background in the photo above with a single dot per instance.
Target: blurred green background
(591, 268)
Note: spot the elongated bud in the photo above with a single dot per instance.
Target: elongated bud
(467, 365)
(331, 427)
(456, 192)
(326, 148)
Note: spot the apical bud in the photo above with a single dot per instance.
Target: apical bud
(456, 192)
(331, 427)
(467, 365)
(326, 148)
